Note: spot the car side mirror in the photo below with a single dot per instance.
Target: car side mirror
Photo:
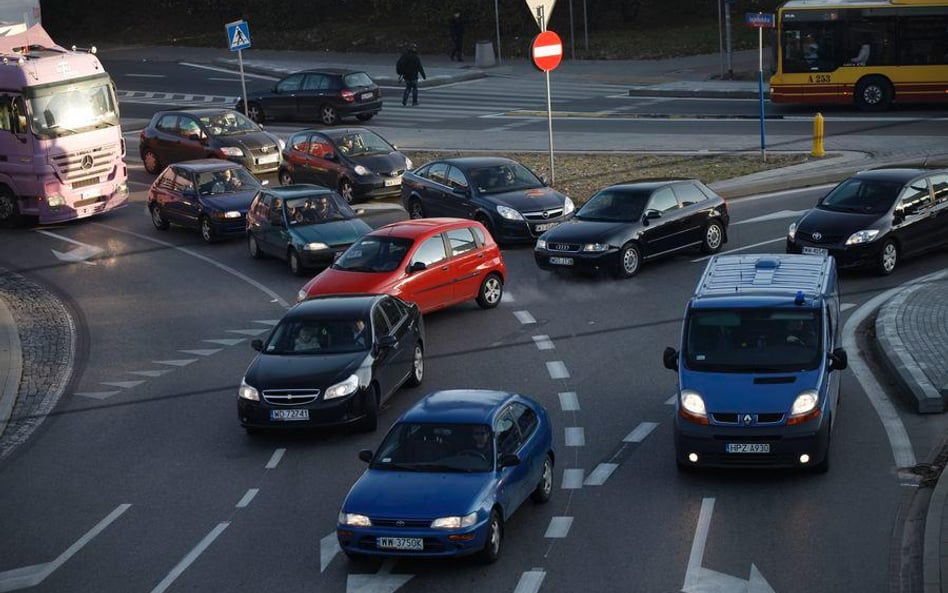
(839, 360)
(360, 212)
(652, 214)
(509, 460)
(366, 455)
(331, 156)
(416, 267)
(257, 344)
(670, 358)
(386, 341)
(195, 137)
(189, 193)
(461, 191)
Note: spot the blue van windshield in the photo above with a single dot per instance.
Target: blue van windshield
(758, 340)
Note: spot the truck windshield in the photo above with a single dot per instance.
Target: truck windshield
(71, 108)
(762, 340)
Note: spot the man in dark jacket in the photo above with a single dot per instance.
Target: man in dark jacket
(408, 68)
(457, 37)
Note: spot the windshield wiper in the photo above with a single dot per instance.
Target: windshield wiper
(357, 269)
(397, 466)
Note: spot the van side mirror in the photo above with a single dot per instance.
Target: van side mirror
(670, 358)
(839, 360)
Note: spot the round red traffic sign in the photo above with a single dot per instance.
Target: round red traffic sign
(547, 51)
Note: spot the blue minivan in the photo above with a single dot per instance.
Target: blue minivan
(759, 347)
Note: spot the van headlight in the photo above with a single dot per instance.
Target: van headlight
(804, 407)
(692, 406)
(860, 237)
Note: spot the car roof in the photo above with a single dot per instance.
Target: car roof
(646, 184)
(469, 406)
(414, 228)
(347, 305)
(297, 190)
(198, 112)
(748, 280)
(335, 133)
(337, 71)
(201, 165)
(900, 174)
(470, 162)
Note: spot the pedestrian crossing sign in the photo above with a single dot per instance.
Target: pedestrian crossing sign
(238, 35)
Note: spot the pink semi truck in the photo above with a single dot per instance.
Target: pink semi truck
(61, 146)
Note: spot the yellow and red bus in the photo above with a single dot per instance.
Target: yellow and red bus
(870, 53)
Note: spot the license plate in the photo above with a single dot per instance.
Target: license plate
(367, 96)
(561, 261)
(268, 158)
(747, 447)
(815, 250)
(289, 415)
(545, 226)
(393, 181)
(400, 543)
(92, 193)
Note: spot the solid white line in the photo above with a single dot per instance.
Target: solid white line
(176, 363)
(558, 527)
(530, 581)
(245, 501)
(328, 548)
(641, 431)
(572, 479)
(569, 402)
(151, 374)
(599, 475)
(145, 75)
(214, 69)
(524, 317)
(190, 558)
(68, 240)
(671, 401)
(557, 370)
(744, 248)
(574, 436)
(543, 342)
(225, 341)
(202, 352)
(275, 459)
(697, 546)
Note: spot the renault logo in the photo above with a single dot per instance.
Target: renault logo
(817, 236)
(399, 523)
(87, 162)
(747, 419)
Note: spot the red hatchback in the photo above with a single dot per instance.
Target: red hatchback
(433, 262)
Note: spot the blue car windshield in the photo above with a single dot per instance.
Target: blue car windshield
(611, 205)
(374, 254)
(753, 340)
(317, 209)
(436, 447)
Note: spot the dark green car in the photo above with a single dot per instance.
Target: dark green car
(306, 225)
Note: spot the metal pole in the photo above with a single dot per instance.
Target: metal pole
(243, 81)
(549, 122)
(727, 32)
(497, 22)
(721, 38)
(585, 26)
(572, 33)
(760, 89)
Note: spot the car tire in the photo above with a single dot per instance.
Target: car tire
(328, 115)
(9, 209)
(630, 261)
(346, 190)
(255, 112)
(495, 533)
(541, 494)
(371, 405)
(254, 247)
(296, 265)
(207, 230)
(873, 93)
(888, 258)
(285, 177)
(490, 292)
(151, 161)
(157, 219)
(415, 209)
(365, 116)
(417, 367)
(713, 238)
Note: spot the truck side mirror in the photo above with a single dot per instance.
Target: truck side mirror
(670, 358)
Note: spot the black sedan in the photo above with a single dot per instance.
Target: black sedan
(210, 195)
(359, 163)
(333, 361)
(623, 225)
(506, 197)
(875, 218)
(184, 135)
(327, 95)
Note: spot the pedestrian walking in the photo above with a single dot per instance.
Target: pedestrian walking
(456, 28)
(408, 69)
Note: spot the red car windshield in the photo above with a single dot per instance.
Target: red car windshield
(374, 254)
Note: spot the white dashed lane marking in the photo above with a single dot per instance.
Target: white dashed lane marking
(275, 459)
(641, 431)
(572, 479)
(559, 526)
(569, 402)
(530, 581)
(543, 342)
(575, 436)
(557, 369)
(524, 317)
(245, 501)
(599, 475)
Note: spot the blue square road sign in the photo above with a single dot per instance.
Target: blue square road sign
(238, 35)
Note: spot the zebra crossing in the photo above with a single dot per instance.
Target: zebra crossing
(490, 97)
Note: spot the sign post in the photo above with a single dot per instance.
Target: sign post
(762, 21)
(238, 38)
(546, 51)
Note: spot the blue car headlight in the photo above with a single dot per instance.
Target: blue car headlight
(354, 519)
(317, 246)
(455, 522)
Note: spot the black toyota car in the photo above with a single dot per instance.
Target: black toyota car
(333, 361)
(623, 225)
(875, 218)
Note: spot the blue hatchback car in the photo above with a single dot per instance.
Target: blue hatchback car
(448, 475)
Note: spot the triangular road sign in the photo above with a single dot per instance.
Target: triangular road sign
(541, 8)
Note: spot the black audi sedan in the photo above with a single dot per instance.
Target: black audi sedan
(326, 95)
(357, 162)
(184, 135)
(623, 225)
(506, 197)
(875, 218)
(333, 361)
(211, 195)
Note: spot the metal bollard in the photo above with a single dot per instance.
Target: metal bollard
(817, 136)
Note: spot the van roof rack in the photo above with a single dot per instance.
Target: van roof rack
(779, 275)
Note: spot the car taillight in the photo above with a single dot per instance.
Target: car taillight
(347, 96)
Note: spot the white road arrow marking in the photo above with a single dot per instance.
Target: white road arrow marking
(77, 255)
(328, 548)
(703, 580)
(772, 216)
(381, 582)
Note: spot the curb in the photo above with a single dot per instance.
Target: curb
(11, 361)
(934, 554)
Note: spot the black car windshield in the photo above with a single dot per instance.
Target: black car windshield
(866, 196)
(505, 177)
(365, 143)
(436, 447)
(318, 336)
(611, 205)
(374, 253)
(317, 209)
(228, 123)
(753, 340)
(226, 181)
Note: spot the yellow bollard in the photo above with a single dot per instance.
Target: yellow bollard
(818, 136)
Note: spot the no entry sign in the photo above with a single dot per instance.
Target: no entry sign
(547, 51)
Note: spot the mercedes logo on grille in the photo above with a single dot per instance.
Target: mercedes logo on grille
(817, 236)
(87, 162)
(747, 419)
